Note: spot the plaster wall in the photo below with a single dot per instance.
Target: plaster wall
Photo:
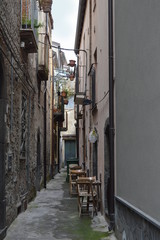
(95, 28)
(137, 37)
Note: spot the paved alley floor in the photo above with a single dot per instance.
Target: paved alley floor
(54, 215)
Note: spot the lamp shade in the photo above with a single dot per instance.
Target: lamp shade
(93, 136)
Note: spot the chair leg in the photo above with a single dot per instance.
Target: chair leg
(79, 206)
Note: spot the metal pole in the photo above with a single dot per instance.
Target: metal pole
(111, 114)
(45, 126)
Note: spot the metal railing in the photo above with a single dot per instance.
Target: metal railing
(29, 16)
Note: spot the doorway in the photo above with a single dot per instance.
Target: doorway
(95, 160)
(3, 97)
(38, 169)
(106, 167)
(70, 150)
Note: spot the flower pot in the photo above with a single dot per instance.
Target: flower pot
(64, 94)
(65, 100)
(72, 63)
(71, 77)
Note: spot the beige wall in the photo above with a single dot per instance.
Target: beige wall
(95, 38)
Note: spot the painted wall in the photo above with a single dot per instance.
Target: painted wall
(95, 40)
(137, 38)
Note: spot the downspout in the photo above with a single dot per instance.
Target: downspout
(90, 112)
(111, 115)
(45, 134)
(52, 120)
(45, 124)
(58, 148)
(53, 160)
(77, 90)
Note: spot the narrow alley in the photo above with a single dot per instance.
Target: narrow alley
(53, 215)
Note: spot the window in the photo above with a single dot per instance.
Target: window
(23, 126)
(93, 76)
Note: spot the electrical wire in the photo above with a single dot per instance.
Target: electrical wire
(102, 98)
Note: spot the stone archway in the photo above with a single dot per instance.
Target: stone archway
(3, 99)
(106, 166)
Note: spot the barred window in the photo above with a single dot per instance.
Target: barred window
(23, 125)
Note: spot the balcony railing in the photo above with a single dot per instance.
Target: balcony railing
(59, 110)
(44, 38)
(43, 58)
(29, 25)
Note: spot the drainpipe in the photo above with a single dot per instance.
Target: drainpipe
(90, 60)
(111, 115)
(45, 134)
(45, 125)
(52, 124)
(77, 90)
(58, 148)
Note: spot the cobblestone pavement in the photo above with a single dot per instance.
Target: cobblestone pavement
(54, 215)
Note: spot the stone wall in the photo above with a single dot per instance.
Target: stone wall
(20, 71)
(131, 225)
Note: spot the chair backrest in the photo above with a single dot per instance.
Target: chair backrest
(76, 168)
(85, 184)
(82, 180)
(74, 174)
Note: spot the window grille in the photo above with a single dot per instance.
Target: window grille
(93, 76)
(23, 126)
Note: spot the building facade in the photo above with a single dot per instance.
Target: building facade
(23, 90)
(92, 95)
(118, 43)
(137, 61)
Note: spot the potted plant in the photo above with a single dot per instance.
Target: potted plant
(71, 76)
(72, 63)
(64, 93)
(65, 100)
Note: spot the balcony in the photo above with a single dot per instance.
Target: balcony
(43, 58)
(44, 43)
(59, 111)
(29, 25)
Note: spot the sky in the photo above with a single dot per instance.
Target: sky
(64, 13)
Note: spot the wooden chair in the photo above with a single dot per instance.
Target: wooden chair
(73, 175)
(87, 195)
(75, 167)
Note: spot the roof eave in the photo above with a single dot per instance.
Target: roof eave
(80, 21)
